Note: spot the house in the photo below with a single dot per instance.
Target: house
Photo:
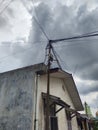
(84, 122)
(23, 95)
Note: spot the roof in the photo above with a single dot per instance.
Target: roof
(57, 101)
(35, 67)
(70, 86)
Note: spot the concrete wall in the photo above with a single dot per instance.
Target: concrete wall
(57, 88)
(16, 100)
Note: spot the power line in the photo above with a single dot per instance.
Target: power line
(2, 2)
(64, 64)
(37, 21)
(15, 43)
(76, 42)
(73, 42)
(6, 6)
(74, 37)
(3, 58)
(15, 53)
(91, 32)
(40, 27)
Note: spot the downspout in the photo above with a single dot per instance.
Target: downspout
(36, 94)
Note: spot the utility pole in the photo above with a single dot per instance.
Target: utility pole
(49, 47)
(50, 59)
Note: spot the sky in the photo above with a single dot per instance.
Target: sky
(23, 43)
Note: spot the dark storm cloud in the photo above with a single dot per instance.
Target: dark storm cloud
(63, 21)
(94, 103)
(3, 22)
(5, 19)
(59, 21)
(84, 57)
(10, 12)
(85, 89)
(43, 15)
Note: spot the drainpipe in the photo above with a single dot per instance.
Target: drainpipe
(36, 94)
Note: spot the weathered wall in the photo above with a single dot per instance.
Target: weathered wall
(16, 100)
(57, 88)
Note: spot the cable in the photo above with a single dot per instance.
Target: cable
(64, 64)
(74, 42)
(40, 27)
(37, 42)
(56, 58)
(74, 37)
(37, 21)
(15, 43)
(90, 32)
(45, 56)
(15, 53)
(2, 2)
(6, 6)
(3, 58)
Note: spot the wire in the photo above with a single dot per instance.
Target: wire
(2, 2)
(37, 21)
(15, 53)
(40, 27)
(37, 42)
(56, 58)
(15, 43)
(90, 32)
(74, 37)
(3, 58)
(45, 56)
(74, 42)
(6, 6)
(64, 64)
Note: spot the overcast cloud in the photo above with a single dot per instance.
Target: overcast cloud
(26, 43)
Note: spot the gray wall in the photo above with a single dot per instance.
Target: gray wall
(16, 99)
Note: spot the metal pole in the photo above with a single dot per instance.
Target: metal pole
(48, 87)
(35, 120)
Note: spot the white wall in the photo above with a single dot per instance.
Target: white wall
(57, 88)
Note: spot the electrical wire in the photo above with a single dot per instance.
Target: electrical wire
(58, 56)
(37, 21)
(15, 43)
(2, 2)
(91, 32)
(74, 37)
(72, 42)
(3, 58)
(76, 42)
(45, 56)
(40, 27)
(6, 6)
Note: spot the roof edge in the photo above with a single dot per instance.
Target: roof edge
(34, 66)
